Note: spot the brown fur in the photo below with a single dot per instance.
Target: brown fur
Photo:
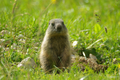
(55, 48)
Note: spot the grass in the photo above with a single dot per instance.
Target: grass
(23, 24)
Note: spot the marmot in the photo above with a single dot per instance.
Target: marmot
(55, 48)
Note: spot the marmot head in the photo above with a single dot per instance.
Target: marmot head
(56, 27)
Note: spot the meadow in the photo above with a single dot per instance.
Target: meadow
(95, 24)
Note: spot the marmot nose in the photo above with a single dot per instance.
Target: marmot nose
(59, 28)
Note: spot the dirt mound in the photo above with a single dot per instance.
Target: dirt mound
(83, 62)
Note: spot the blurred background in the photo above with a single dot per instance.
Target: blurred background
(94, 24)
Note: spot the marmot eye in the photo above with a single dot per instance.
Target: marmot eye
(52, 24)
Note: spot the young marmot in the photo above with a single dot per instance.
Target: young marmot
(55, 48)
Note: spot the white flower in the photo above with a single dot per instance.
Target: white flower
(75, 43)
